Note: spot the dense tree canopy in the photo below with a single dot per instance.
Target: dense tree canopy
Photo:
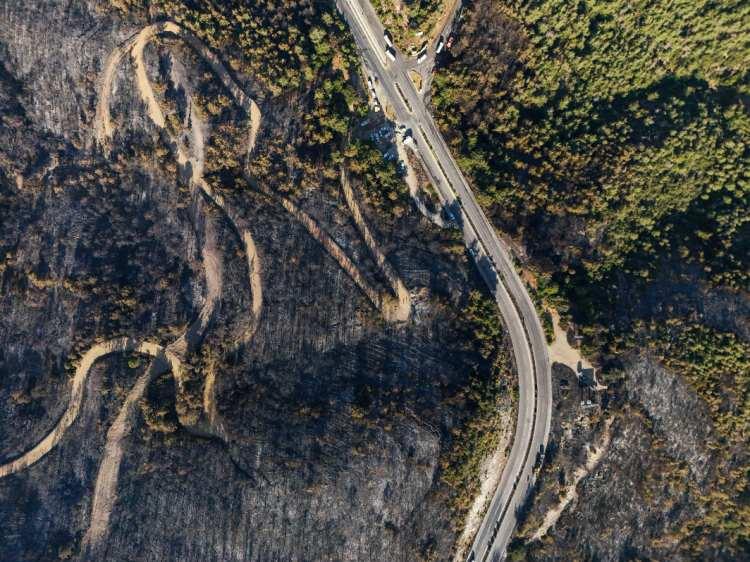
(619, 127)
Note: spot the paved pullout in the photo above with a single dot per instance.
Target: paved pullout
(495, 264)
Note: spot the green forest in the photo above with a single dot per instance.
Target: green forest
(619, 127)
(612, 139)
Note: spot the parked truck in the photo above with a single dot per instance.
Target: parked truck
(440, 45)
(388, 38)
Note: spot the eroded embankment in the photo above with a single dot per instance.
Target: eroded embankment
(413, 184)
(593, 457)
(491, 472)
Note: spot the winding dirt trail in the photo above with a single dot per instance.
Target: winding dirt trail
(94, 353)
(105, 489)
(196, 129)
(103, 128)
(102, 120)
(397, 311)
(141, 76)
(393, 312)
(394, 309)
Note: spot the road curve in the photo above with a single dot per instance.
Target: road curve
(495, 264)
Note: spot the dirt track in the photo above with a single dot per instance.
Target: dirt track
(593, 456)
(105, 489)
(104, 129)
(394, 309)
(95, 353)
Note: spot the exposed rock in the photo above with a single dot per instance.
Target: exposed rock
(679, 416)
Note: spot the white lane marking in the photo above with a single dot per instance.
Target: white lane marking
(374, 45)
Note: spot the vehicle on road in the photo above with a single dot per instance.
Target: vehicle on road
(391, 53)
(440, 45)
(422, 57)
(408, 138)
(388, 38)
(539, 457)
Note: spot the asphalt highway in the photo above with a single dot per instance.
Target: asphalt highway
(495, 264)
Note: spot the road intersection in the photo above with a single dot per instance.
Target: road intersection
(493, 258)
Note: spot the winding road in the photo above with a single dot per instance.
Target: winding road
(493, 258)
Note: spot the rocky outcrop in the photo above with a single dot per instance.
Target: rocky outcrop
(677, 413)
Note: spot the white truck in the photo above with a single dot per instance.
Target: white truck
(440, 45)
